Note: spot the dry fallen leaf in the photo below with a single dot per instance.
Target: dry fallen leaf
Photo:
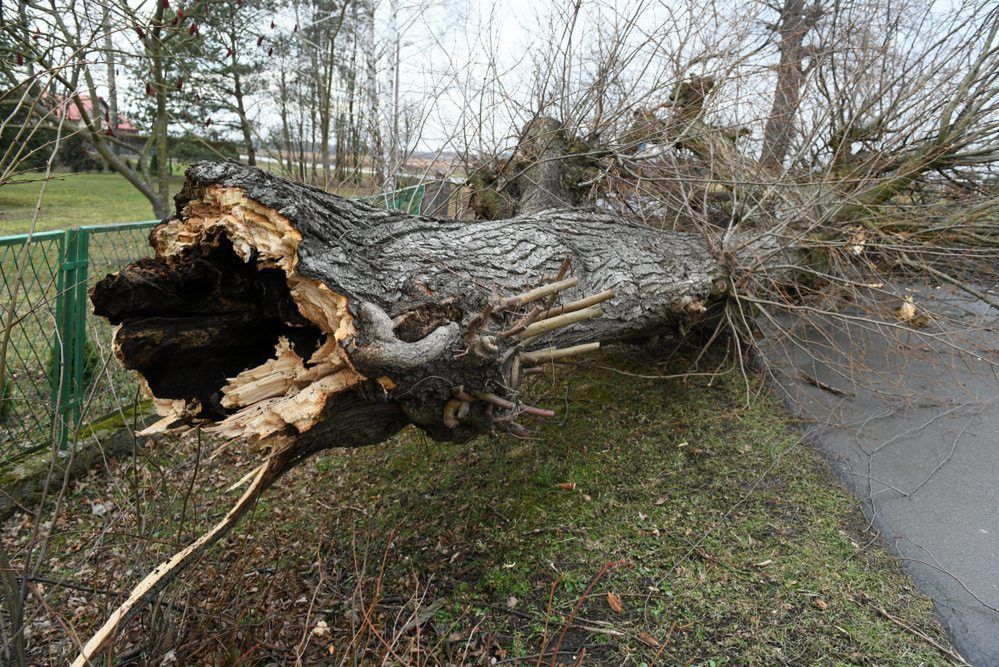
(648, 639)
(907, 310)
(821, 604)
(857, 241)
(614, 602)
(321, 629)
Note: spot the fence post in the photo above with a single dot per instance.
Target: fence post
(80, 307)
(418, 196)
(57, 359)
(72, 321)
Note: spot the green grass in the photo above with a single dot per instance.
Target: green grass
(733, 543)
(73, 200)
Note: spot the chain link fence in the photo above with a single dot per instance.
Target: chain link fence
(60, 372)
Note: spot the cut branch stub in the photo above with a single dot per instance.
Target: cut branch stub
(554, 354)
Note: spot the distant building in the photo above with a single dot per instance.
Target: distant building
(75, 119)
(125, 131)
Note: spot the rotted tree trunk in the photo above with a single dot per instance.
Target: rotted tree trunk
(279, 313)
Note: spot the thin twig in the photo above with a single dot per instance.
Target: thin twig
(953, 655)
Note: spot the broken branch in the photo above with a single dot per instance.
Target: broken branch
(573, 306)
(551, 324)
(553, 354)
(540, 292)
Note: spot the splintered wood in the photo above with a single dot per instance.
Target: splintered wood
(286, 390)
(170, 411)
(249, 226)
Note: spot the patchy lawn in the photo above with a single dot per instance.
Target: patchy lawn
(72, 200)
(657, 522)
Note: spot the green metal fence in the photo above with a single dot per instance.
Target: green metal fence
(60, 371)
(408, 199)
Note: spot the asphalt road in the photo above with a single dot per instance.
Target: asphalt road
(911, 424)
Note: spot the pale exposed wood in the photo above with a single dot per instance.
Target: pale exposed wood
(552, 353)
(559, 321)
(171, 411)
(273, 378)
(540, 292)
(299, 408)
(573, 306)
(323, 306)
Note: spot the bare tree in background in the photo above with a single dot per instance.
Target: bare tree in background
(228, 70)
(796, 20)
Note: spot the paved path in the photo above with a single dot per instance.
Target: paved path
(916, 438)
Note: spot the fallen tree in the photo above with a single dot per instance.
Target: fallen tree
(279, 314)
(271, 308)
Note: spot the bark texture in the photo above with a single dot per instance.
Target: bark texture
(265, 290)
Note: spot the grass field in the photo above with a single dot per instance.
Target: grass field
(73, 200)
(655, 522)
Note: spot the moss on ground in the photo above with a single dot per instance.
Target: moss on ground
(731, 543)
(116, 421)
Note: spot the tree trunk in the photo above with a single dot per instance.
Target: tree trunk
(279, 313)
(371, 109)
(271, 307)
(112, 76)
(795, 22)
(544, 149)
(161, 122)
(237, 88)
(394, 50)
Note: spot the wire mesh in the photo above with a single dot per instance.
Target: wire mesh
(111, 248)
(408, 199)
(60, 370)
(30, 268)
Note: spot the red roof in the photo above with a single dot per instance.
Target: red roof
(73, 114)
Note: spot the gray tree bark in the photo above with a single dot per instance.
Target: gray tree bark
(428, 300)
